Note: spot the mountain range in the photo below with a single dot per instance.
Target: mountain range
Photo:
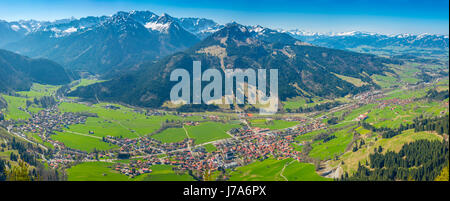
(137, 50)
(355, 39)
(305, 70)
(107, 45)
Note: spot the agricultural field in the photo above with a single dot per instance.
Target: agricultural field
(272, 124)
(210, 131)
(103, 171)
(34, 137)
(39, 90)
(336, 146)
(274, 170)
(170, 135)
(406, 94)
(210, 147)
(308, 136)
(82, 142)
(133, 124)
(356, 112)
(394, 116)
(94, 171)
(406, 72)
(355, 81)
(83, 82)
(385, 81)
(16, 108)
(102, 127)
(295, 103)
(163, 173)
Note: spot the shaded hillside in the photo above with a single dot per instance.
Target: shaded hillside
(304, 70)
(19, 72)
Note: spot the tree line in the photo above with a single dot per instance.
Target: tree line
(438, 124)
(315, 108)
(420, 160)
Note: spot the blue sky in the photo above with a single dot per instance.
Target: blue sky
(382, 16)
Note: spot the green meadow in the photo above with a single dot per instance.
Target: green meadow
(103, 171)
(170, 135)
(83, 82)
(351, 159)
(272, 170)
(102, 127)
(16, 107)
(82, 142)
(163, 173)
(295, 103)
(272, 124)
(210, 147)
(385, 81)
(94, 171)
(132, 124)
(39, 90)
(406, 94)
(128, 123)
(210, 131)
(336, 146)
(394, 116)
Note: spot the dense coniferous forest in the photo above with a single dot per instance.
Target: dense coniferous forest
(18, 72)
(2, 170)
(26, 156)
(432, 94)
(421, 160)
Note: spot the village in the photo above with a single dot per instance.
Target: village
(246, 145)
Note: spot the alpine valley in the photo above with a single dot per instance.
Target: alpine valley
(89, 99)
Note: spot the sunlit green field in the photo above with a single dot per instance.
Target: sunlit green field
(406, 94)
(81, 142)
(333, 147)
(102, 171)
(94, 171)
(394, 116)
(16, 107)
(137, 124)
(171, 135)
(384, 81)
(102, 127)
(295, 103)
(39, 90)
(210, 147)
(210, 131)
(273, 124)
(83, 82)
(271, 170)
(163, 173)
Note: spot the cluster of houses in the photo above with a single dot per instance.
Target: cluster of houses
(132, 169)
(361, 117)
(111, 107)
(247, 145)
(191, 123)
(49, 120)
(368, 97)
